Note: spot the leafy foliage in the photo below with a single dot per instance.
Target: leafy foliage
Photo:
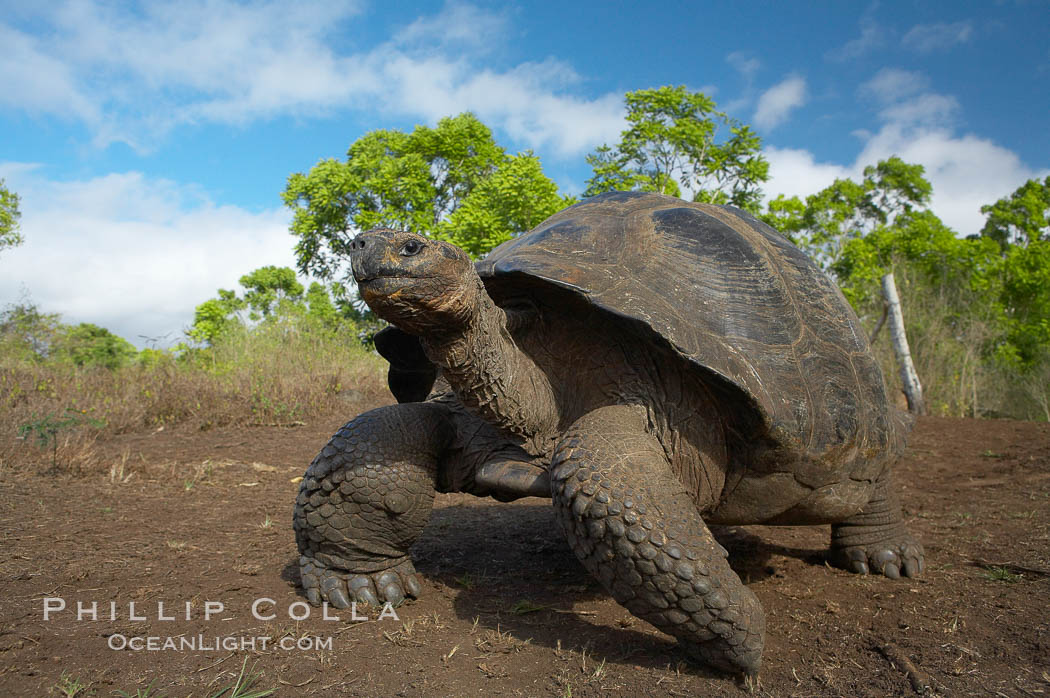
(216, 317)
(1025, 297)
(267, 288)
(515, 198)
(417, 181)
(90, 345)
(672, 146)
(846, 210)
(272, 295)
(319, 306)
(977, 309)
(9, 216)
(26, 334)
(1021, 218)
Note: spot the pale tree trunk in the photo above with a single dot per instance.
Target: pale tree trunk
(912, 387)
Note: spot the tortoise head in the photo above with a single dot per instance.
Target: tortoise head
(420, 285)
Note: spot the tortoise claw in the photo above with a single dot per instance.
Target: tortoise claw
(342, 588)
(362, 589)
(337, 597)
(857, 561)
(892, 559)
(412, 586)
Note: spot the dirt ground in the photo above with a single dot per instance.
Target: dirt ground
(195, 517)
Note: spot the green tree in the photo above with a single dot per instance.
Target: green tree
(923, 243)
(1020, 225)
(412, 181)
(90, 345)
(268, 288)
(26, 334)
(216, 317)
(845, 210)
(9, 217)
(320, 306)
(672, 144)
(513, 199)
(1021, 218)
(1026, 302)
(273, 295)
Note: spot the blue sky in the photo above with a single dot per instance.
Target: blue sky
(150, 141)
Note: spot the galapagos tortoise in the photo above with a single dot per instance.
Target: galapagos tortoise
(654, 366)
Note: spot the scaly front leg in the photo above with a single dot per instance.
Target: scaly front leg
(364, 501)
(637, 530)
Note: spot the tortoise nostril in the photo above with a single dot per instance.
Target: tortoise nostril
(358, 244)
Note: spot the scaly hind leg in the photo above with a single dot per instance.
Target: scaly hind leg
(875, 539)
(364, 501)
(637, 530)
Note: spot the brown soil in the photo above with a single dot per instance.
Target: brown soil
(507, 609)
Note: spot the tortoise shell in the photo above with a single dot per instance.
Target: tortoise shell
(732, 297)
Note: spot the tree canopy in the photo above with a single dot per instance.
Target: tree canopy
(1020, 225)
(452, 181)
(87, 344)
(9, 218)
(1021, 218)
(978, 307)
(271, 294)
(825, 222)
(513, 199)
(673, 146)
(26, 334)
(266, 288)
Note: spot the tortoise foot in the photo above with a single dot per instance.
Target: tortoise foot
(893, 557)
(875, 541)
(340, 588)
(363, 502)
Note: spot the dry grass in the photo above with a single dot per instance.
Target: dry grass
(276, 376)
(950, 350)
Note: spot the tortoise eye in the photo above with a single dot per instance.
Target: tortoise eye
(410, 248)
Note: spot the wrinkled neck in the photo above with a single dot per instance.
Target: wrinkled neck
(492, 376)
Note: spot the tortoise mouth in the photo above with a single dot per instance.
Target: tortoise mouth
(380, 277)
(385, 287)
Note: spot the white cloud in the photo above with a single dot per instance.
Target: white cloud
(794, 172)
(872, 35)
(904, 99)
(918, 126)
(132, 76)
(457, 23)
(744, 63)
(926, 38)
(966, 171)
(893, 84)
(929, 110)
(33, 80)
(520, 101)
(777, 102)
(130, 253)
